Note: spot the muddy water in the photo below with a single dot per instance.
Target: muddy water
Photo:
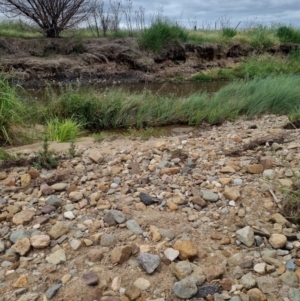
(177, 89)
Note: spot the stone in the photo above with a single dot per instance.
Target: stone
(210, 196)
(255, 168)
(256, 295)
(185, 289)
(59, 186)
(248, 281)
(214, 272)
(57, 257)
(171, 254)
(95, 155)
(40, 241)
(167, 233)
(24, 217)
(118, 216)
(90, 278)
(277, 241)
(69, 215)
(21, 282)
(116, 284)
(50, 293)
(260, 268)
(19, 234)
(107, 240)
(290, 279)
(76, 196)
(294, 294)
(290, 265)
(22, 246)
(146, 199)
(267, 284)
(132, 292)
(279, 219)
(95, 255)
(2, 246)
(48, 209)
(187, 249)
(207, 289)
(246, 236)
(134, 227)
(75, 244)
(58, 230)
(181, 269)
(169, 171)
(142, 284)
(149, 262)
(25, 180)
(231, 193)
(120, 254)
(53, 200)
(29, 297)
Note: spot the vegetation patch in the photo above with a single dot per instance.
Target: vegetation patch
(160, 33)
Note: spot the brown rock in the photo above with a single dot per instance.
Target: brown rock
(3, 175)
(116, 170)
(95, 155)
(214, 272)
(90, 278)
(169, 171)
(58, 230)
(25, 180)
(256, 295)
(46, 189)
(186, 249)
(10, 181)
(255, 168)
(226, 284)
(172, 206)
(198, 200)
(21, 282)
(34, 173)
(40, 241)
(266, 163)
(95, 255)
(227, 169)
(22, 246)
(277, 241)
(103, 186)
(120, 254)
(232, 193)
(132, 292)
(23, 217)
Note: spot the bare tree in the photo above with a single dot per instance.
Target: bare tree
(116, 11)
(51, 16)
(127, 11)
(140, 18)
(102, 19)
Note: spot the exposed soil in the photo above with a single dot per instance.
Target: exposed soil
(34, 62)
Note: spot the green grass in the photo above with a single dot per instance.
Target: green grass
(116, 108)
(144, 134)
(4, 155)
(288, 34)
(11, 112)
(13, 29)
(161, 32)
(256, 66)
(64, 130)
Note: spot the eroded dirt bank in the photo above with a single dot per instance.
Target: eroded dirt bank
(38, 61)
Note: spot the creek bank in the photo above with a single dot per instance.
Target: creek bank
(36, 62)
(166, 219)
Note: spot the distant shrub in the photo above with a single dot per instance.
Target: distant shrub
(288, 34)
(161, 32)
(228, 32)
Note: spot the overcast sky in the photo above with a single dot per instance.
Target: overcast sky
(209, 11)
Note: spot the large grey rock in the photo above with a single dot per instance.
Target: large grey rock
(57, 257)
(107, 240)
(248, 281)
(210, 196)
(294, 294)
(149, 262)
(53, 200)
(246, 236)
(118, 216)
(185, 289)
(2, 246)
(267, 284)
(53, 290)
(58, 230)
(134, 227)
(290, 279)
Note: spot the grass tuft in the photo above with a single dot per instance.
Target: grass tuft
(63, 130)
(161, 32)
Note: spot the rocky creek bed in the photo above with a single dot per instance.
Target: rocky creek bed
(193, 216)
